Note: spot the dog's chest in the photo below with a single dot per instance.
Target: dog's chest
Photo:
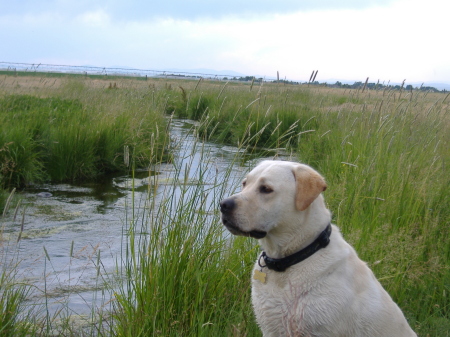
(288, 301)
(276, 301)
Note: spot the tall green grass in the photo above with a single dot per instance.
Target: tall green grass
(77, 133)
(384, 155)
(15, 319)
(184, 277)
(388, 177)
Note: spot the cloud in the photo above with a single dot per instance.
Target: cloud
(195, 9)
(94, 18)
(182, 9)
(405, 40)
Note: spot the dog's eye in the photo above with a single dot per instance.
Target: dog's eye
(244, 183)
(265, 189)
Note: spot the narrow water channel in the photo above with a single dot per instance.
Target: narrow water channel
(71, 232)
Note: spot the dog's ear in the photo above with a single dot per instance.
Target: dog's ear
(309, 184)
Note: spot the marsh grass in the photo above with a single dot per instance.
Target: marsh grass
(179, 267)
(385, 157)
(389, 181)
(77, 133)
(184, 276)
(15, 319)
(383, 153)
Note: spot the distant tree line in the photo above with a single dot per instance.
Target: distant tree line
(338, 84)
(375, 86)
(245, 79)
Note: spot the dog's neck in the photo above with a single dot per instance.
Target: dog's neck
(283, 241)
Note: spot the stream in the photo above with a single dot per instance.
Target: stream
(72, 231)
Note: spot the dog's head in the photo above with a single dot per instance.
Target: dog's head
(273, 193)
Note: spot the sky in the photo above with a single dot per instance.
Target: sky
(346, 40)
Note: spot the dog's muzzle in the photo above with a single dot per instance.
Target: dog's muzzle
(227, 207)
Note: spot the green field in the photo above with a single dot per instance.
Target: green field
(384, 154)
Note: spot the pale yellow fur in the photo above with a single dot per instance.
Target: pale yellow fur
(333, 292)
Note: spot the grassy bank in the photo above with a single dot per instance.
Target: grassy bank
(74, 131)
(383, 153)
(385, 157)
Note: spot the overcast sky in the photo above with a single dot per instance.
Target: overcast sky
(343, 39)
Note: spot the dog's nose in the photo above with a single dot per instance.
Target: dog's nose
(227, 205)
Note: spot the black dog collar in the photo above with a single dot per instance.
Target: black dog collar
(282, 264)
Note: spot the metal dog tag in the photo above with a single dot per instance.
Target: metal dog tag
(260, 276)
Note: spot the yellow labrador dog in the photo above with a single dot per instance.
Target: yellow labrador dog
(308, 281)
